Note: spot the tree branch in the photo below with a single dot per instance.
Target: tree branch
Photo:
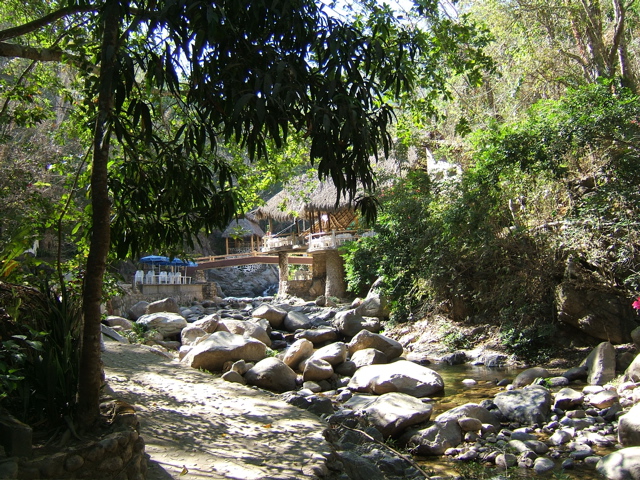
(43, 21)
(11, 50)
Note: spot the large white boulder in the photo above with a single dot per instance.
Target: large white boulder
(220, 347)
(402, 376)
(244, 328)
(629, 427)
(601, 364)
(334, 353)
(368, 356)
(274, 315)
(621, 465)
(526, 406)
(167, 323)
(349, 323)
(392, 413)
(632, 373)
(165, 305)
(365, 339)
(297, 320)
(469, 410)
(271, 374)
(435, 439)
(298, 351)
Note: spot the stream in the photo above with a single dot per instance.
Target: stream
(457, 393)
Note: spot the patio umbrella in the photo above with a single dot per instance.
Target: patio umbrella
(155, 260)
(182, 263)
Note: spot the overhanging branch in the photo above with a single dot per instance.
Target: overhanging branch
(34, 25)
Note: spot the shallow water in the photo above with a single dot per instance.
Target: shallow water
(456, 393)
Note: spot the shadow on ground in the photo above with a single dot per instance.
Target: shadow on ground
(196, 424)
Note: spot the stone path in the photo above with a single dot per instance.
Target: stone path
(197, 426)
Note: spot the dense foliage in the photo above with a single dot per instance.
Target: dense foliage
(490, 243)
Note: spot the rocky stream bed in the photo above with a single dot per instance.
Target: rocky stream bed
(311, 390)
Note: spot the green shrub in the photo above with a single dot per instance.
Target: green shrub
(532, 343)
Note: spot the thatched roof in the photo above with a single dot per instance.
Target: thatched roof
(305, 196)
(244, 227)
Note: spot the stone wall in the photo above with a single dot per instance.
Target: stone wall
(117, 455)
(184, 296)
(300, 288)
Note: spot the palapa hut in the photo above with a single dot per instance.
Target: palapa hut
(319, 225)
(242, 236)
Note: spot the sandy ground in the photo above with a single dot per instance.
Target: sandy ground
(196, 425)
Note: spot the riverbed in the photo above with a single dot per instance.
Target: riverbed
(457, 393)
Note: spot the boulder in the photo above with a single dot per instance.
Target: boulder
(629, 427)
(375, 303)
(190, 334)
(274, 315)
(632, 373)
(165, 305)
(234, 377)
(166, 323)
(349, 323)
(601, 364)
(318, 335)
(298, 351)
(454, 358)
(469, 410)
(603, 399)
(115, 321)
(526, 406)
(316, 369)
(567, 399)
(368, 356)
(271, 374)
(334, 353)
(296, 321)
(392, 413)
(635, 337)
(434, 439)
(137, 310)
(366, 339)
(245, 328)
(602, 315)
(402, 376)
(220, 347)
(112, 334)
(316, 404)
(576, 373)
(346, 369)
(621, 465)
(542, 465)
(208, 323)
(528, 376)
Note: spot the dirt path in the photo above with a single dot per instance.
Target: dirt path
(214, 429)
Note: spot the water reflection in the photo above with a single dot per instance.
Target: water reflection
(457, 393)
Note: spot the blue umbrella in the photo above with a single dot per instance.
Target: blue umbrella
(183, 263)
(155, 260)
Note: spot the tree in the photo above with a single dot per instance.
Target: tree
(247, 71)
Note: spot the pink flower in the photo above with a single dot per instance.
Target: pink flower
(636, 304)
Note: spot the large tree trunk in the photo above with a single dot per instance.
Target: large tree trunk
(90, 367)
(335, 285)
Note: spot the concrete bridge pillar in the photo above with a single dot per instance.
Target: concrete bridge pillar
(335, 285)
(283, 268)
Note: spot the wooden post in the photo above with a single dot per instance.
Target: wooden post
(226, 240)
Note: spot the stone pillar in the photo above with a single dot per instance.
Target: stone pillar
(283, 267)
(335, 285)
(318, 274)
